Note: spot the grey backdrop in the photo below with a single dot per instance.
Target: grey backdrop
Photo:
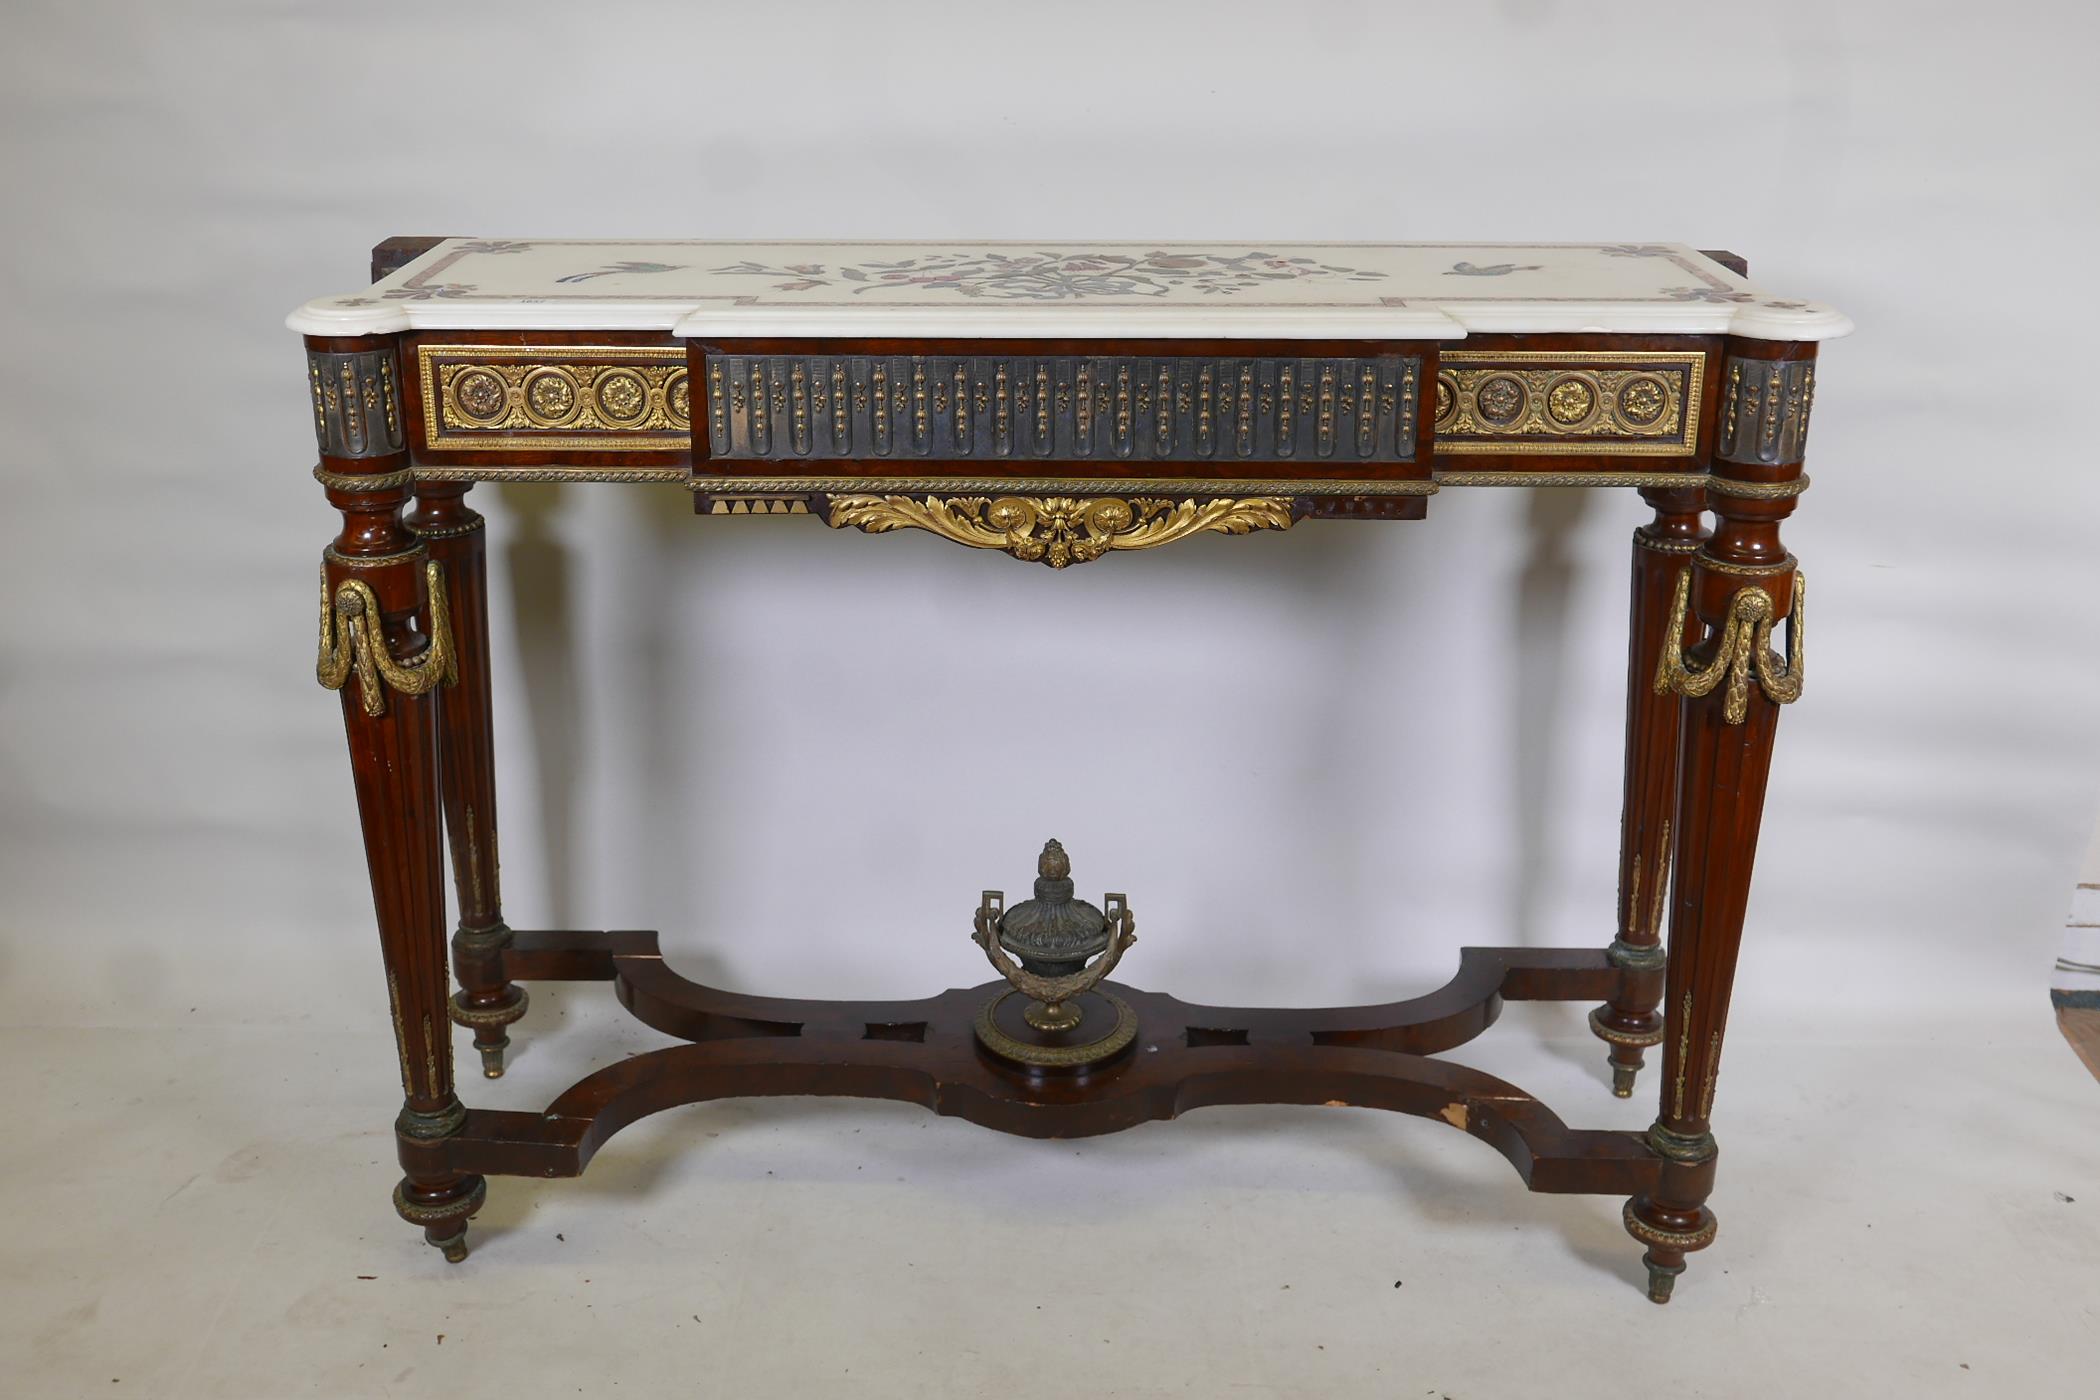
(1316, 761)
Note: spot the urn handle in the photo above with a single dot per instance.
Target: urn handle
(1052, 993)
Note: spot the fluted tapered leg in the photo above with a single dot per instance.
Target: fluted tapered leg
(488, 1001)
(384, 645)
(1632, 1020)
(1743, 588)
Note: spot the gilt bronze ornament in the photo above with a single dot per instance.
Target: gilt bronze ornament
(1062, 1021)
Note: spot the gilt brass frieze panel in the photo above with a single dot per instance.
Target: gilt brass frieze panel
(1572, 402)
(571, 398)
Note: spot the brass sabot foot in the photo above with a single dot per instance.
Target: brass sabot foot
(1662, 1278)
(1622, 1077)
(455, 1249)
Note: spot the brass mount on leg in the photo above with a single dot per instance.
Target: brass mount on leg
(1743, 650)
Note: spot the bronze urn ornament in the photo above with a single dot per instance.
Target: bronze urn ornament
(1053, 950)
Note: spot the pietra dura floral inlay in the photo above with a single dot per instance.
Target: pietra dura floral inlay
(1048, 275)
(1467, 269)
(620, 269)
(428, 290)
(1709, 294)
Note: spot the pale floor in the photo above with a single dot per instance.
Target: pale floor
(204, 1213)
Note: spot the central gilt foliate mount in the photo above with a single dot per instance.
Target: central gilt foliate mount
(1060, 530)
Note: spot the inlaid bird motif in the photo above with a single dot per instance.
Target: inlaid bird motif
(616, 269)
(1466, 269)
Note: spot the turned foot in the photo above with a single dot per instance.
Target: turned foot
(492, 1053)
(488, 1022)
(1662, 1277)
(1627, 1034)
(1670, 1234)
(442, 1211)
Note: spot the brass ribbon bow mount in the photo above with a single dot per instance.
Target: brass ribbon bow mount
(353, 638)
(1745, 649)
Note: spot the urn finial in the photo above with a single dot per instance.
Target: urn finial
(1053, 934)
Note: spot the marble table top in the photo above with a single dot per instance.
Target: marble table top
(1372, 291)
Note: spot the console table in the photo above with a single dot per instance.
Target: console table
(1056, 403)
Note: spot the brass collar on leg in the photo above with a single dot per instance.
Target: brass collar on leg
(1690, 1148)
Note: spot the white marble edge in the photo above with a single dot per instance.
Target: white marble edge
(320, 318)
(1448, 322)
(1811, 322)
(1409, 318)
(1136, 323)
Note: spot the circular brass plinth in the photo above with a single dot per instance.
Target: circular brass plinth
(1105, 1029)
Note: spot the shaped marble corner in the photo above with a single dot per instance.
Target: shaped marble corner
(1756, 314)
(351, 314)
(1773, 318)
